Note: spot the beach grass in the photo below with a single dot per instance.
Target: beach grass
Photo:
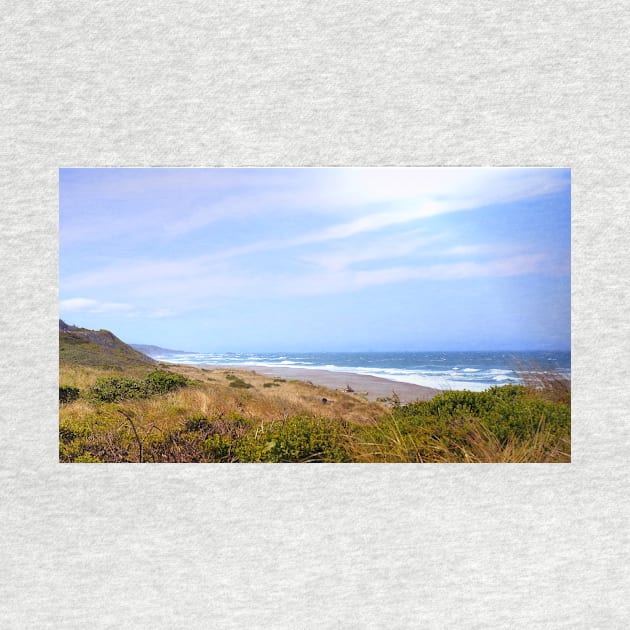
(169, 413)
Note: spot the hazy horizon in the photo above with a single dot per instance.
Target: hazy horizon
(319, 259)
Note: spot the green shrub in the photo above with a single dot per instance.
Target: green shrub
(72, 447)
(197, 422)
(114, 389)
(69, 431)
(271, 384)
(297, 439)
(240, 383)
(505, 411)
(161, 382)
(217, 448)
(67, 394)
(87, 458)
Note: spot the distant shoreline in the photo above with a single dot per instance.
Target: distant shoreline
(437, 371)
(375, 386)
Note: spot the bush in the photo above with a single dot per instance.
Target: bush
(297, 439)
(67, 394)
(507, 412)
(217, 448)
(114, 389)
(87, 458)
(239, 383)
(161, 382)
(197, 422)
(69, 432)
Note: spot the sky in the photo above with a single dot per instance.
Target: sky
(319, 259)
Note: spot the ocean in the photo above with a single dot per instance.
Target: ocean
(474, 371)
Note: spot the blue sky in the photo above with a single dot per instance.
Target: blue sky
(323, 259)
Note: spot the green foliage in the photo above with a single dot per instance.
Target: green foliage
(114, 389)
(297, 439)
(197, 422)
(87, 458)
(67, 394)
(161, 382)
(77, 448)
(505, 412)
(240, 383)
(217, 448)
(464, 403)
(271, 385)
(70, 431)
(237, 381)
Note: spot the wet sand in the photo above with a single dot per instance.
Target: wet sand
(376, 387)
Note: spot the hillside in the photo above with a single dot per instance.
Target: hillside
(155, 350)
(97, 348)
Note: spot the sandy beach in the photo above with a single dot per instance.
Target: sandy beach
(375, 386)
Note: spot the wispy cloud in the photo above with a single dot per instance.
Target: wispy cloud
(198, 291)
(89, 305)
(172, 203)
(81, 304)
(349, 280)
(152, 245)
(381, 248)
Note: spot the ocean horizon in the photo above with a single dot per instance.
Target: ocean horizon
(471, 370)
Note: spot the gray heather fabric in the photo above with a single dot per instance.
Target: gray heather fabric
(303, 83)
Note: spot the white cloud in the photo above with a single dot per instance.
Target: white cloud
(171, 203)
(379, 249)
(479, 185)
(88, 305)
(352, 280)
(160, 312)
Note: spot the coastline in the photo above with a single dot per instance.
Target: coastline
(375, 386)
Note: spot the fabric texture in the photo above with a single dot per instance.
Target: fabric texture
(314, 84)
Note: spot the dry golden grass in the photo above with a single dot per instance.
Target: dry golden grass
(391, 445)
(484, 447)
(388, 445)
(211, 395)
(85, 376)
(544, 384)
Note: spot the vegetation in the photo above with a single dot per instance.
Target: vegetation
(184, 414)
(68, 394)
(114, 389)
(97, 348)
(508, 423)
(237, 382)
